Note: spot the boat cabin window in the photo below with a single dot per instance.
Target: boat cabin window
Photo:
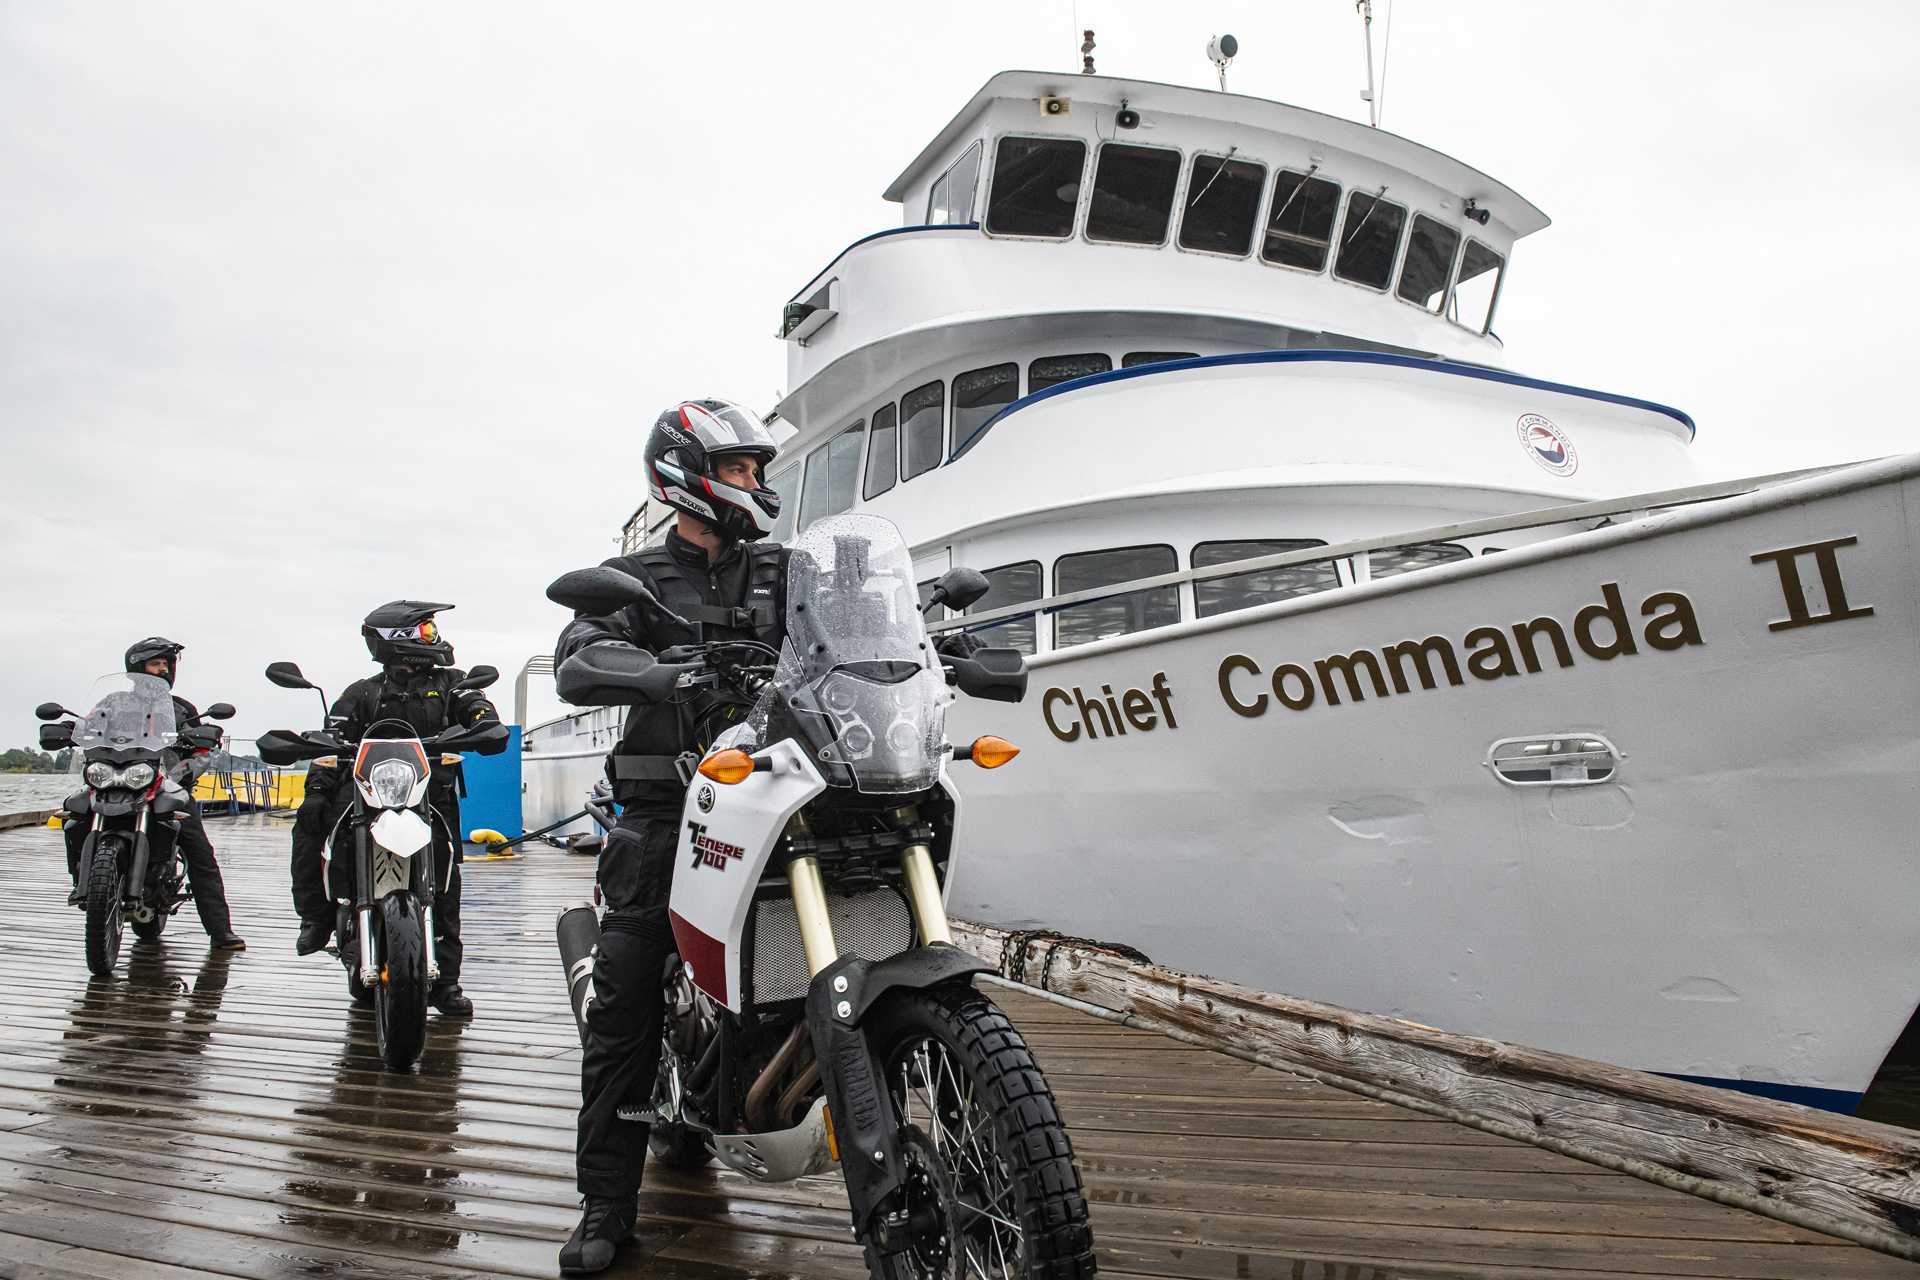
(1053, 370)
(1389, 561)
(1223, 200)
(1479, 284)
(883, 452)
(1133, 358)
(1430, 249)
(787, 485)
(1370, 240)
(1010, 584)
(951, 200)
(1116, 615)
(1036, 186)
(832, 470)
(978, 394)
(1133, 194)
(1263, 586)
(923, 426)
(1300, 228)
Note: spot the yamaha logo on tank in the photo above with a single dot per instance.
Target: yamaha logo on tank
(1547, 445)
(705, 799)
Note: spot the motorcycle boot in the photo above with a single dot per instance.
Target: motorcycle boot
(228, 940)
(606, 1222)
(314, 935)
(451, 1000)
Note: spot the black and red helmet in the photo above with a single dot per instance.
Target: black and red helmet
(681, 452)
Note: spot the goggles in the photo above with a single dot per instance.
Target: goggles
(426, 632)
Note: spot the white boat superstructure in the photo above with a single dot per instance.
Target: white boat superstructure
(1131, 333)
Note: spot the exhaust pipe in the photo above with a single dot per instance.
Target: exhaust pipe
(578, 933)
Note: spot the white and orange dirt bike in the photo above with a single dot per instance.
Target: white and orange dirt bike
(817, 1011)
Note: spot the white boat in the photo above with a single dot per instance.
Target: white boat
(1630, 779)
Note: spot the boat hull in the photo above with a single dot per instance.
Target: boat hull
(1735, 903)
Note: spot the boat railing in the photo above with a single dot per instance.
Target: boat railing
(538, 664)
(1635, 505)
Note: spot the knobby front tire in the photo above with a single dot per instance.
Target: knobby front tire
(103, 906)
(988, 1155)
(400, 1001)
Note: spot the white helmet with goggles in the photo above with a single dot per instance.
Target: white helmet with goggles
(682, 453)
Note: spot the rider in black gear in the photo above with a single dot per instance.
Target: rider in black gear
(415, 684)
(158, 656)
(707, 459)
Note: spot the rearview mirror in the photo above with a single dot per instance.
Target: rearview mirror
(959, 588)
(479, 678)
(219, 711)
(598, 590)
(49, 711)
(287, 675)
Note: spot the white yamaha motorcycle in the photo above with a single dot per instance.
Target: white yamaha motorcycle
(817, 1010)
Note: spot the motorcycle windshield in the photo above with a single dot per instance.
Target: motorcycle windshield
(857, 671)
(130, 712)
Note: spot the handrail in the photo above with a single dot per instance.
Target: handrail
(1438, 533)
(539, 662)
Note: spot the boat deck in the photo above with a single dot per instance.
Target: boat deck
(226, 1114)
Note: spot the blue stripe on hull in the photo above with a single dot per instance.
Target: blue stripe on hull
(1820, 1099)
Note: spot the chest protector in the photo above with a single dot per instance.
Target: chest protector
(663, 742)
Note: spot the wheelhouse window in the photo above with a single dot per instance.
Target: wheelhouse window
(1370, 240)
(883, 452)
(951, 200)
(1036, 186)
(1430, 249)
(978, 394)
(1010, 584)
(1116, 615)
(923, 426)
(1389, 561)
(1052, 370)
(832, 470)
(1300, 228)
(1477, 288)
(1223, 201)
(787, 485)
(1133, 358)
(1262, 586)
(1133, 194)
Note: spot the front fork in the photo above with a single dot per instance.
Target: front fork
(810, 898)
(422, 876)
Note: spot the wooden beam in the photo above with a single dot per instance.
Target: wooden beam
(32, 818)
(1830, 1173)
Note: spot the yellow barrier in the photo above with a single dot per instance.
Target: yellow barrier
(286, 790)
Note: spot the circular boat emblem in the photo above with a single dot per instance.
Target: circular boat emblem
(705, 799)
(1547, 445)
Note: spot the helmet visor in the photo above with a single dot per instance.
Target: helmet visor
(427, 632)
(727, 429)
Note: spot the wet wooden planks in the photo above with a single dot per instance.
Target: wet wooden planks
(226, 1114)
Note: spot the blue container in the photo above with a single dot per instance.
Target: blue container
(493, 789)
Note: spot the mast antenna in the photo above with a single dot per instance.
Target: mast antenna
(1365, 9)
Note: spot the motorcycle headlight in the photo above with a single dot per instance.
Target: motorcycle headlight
(137, 776)
(99, 775)
(392, 782)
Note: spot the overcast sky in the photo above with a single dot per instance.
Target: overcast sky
(308, 307)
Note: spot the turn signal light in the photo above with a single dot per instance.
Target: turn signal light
(991, 752)
(729, 766)
(327, 762)
(450, 757)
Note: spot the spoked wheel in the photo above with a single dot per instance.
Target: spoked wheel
(992, 1192)
(103, 907)
(400, 1001)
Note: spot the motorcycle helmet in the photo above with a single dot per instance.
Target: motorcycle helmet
(403, 633)
(681, 453)
(144, 651)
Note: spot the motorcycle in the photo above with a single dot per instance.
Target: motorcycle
(380, 855)
(137, 765)
(817, 1010)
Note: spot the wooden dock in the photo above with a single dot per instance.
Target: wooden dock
(225, 1114)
